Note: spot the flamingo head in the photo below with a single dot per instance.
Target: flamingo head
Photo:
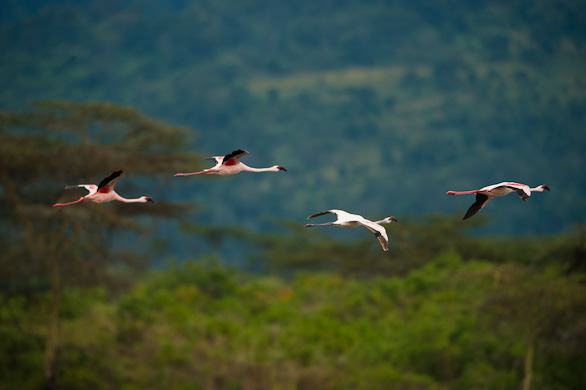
(279, 168)
(389, 219)
(148, 199)
(544, 187)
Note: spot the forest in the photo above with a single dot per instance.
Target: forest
(376, 107)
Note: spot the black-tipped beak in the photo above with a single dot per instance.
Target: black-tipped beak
(150, 200)
(393, 219)
(546, 188)
(282, 168)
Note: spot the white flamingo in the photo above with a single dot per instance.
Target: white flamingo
(104, 192)
(488, 193)
(347, 220)
(230, 165)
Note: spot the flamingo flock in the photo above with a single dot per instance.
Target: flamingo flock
(230, 164)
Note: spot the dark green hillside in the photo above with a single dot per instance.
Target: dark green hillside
(376, 107)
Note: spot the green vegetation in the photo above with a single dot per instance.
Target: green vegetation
(47, 249)
(451, 324)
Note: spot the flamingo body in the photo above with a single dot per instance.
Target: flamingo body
(104, 192)
(347, 220)
(488, 193)
(230, 165)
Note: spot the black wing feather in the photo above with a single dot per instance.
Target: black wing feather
(107, 180)
(481, 200)
(233, 154)
(521, 193)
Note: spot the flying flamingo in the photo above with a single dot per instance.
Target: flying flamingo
(104, 192)
(488, 193)
(347, 220)
(230, 165)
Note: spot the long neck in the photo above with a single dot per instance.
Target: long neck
(537, 189)
(251, 169)
(142, 199)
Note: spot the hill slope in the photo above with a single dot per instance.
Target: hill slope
(373, 107)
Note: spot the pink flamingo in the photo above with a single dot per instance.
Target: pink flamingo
(347, 220)
(488, 193)
(104, 192)
(230, 165)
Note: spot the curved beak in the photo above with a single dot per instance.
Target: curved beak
(150, 200)
(281, 168)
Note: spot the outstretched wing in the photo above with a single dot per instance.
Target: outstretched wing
(108, 183)
(234, 157)
(379, 232)
(481, 201)
(92, 188)
(322, 213)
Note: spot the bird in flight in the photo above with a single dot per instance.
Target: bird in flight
(347, 220)
(230, 165)
(488, 193)
(104, 192)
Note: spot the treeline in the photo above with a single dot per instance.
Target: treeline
(451, 324)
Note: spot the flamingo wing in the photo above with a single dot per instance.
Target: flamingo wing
(322, 213)
(521, 189)
(92, 188)
(379, 232)
(524, 195)
(234, 157)
(481, 201)
(108, 183)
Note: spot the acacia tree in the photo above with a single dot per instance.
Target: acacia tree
(58, 143)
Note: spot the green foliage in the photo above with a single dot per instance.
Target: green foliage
(46, 248)
(451, 324)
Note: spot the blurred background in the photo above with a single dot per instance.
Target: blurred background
(374, 107)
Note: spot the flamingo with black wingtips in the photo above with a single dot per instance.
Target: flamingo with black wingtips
(488, 193)
(230, 165)
(104, 192)
(347, 220)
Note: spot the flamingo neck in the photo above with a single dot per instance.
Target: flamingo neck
(386, 220)
(142, 199)
(251, 169)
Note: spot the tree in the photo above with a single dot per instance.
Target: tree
(61, 143)
(543, 310)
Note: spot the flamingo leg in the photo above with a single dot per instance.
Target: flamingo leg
(462, 192)
(197, 173)
(319, 224)
(67, 204)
